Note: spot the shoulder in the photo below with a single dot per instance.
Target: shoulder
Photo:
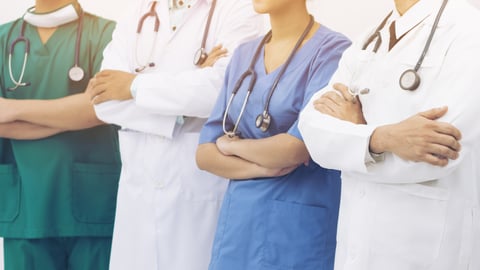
(247, 49)
(330, 40)
(97, 28)
(6, 28)
(96, 23)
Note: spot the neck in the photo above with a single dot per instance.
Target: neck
(42, 6)
(404, 5)
(288, 24)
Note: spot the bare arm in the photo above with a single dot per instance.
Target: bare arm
(73, 112)
(210, 159)
(279, 151)
(26, 131)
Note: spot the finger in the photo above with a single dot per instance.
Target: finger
(446, 141)
(325, 108)
(434, 113)
(435, 160)
(443, 151)
(218, 52)
(448, 129)
(99, 99)
(334, 97)
(343, 89)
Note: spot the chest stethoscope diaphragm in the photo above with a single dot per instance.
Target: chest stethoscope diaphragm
(264, 119)
(75, 73)
(410, 79)
(199, 57)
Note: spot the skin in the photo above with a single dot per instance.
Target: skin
(420, 138)
(238, 158)
(38, 119)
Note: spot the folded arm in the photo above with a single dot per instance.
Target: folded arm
(26, 131)
(209, 158)
(73, 112)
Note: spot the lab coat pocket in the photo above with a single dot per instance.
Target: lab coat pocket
(95, 192)
(408, 226)
(297, 237)
(10, 193)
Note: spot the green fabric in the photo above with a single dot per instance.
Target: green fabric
(64, 185)
(78, 253)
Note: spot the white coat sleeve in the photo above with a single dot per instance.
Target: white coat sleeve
(342, 145)
(127, 114)
(194, 92)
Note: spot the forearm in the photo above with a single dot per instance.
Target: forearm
(69, 113)
(26, 131)
(279, 151)
(210, 159)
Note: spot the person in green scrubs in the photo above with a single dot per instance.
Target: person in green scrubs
(59, 165)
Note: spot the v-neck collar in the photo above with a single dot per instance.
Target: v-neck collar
(295, 60)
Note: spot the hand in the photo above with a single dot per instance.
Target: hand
(419, 138)
(216, 53)
(224, 143)
(341, 105)
(110, 85)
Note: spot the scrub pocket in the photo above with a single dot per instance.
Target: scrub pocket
(94, 192)
(297, 237)
(10, 189)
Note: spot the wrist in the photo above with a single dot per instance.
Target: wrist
(378, 144)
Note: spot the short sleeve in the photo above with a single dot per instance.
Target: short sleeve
(321, 70)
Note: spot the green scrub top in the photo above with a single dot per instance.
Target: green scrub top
(64, 185)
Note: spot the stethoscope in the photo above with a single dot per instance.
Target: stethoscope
(199, 57)
(410, 79)
(264, 119)
(76, 73)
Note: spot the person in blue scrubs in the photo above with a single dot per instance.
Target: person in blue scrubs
(280, 209)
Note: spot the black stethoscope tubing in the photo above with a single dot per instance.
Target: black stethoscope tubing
(409, 79)
(200, 55)
(76, 73)
(263, 120)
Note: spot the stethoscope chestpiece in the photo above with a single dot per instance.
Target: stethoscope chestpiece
(76, 73)
(263, 121)
(200, 57)
(409, 80)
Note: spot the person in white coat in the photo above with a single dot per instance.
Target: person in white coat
(167, 208)
(408, 153)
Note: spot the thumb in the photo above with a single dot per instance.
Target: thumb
(434, 113)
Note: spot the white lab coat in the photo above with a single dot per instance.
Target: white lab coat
(167, 208)
(397, 214)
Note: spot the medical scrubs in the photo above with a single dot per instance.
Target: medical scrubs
(286, 222)
(63, 187)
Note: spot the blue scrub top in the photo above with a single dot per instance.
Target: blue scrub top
(286, 222)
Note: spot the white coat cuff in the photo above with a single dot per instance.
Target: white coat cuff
(129, 116)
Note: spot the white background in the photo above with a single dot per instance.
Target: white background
(333, 13)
